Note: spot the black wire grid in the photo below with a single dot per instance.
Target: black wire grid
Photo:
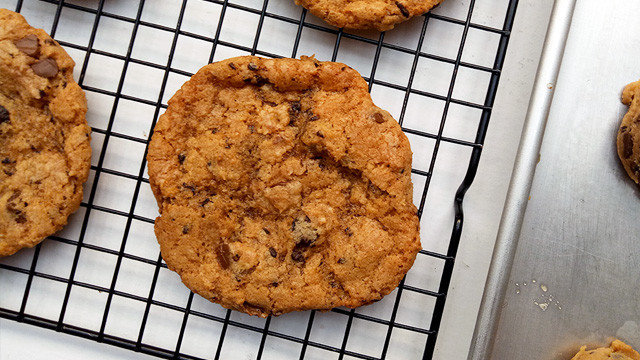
(132, 300)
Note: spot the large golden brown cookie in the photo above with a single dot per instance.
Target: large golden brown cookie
(380, 15)
(617, 351)
(629, 133)
(44, 137)
(282, 187)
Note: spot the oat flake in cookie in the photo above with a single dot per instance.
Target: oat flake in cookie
(44, 137)
(628, 143)
(282, 187)
(380, 15)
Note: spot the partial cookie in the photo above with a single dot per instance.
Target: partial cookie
(380, 15)
(44, 137)
(282, 187)
(629, 132)
(617, 351)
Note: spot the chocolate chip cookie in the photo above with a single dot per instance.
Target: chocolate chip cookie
(282, 187)
(629, 133)
(618, 351)
(380, 15)
(44, 137)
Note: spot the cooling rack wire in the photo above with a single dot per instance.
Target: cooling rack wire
(102, 277)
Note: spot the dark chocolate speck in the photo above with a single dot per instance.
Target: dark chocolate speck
(4, 115)
(223, 254)
(627, 145)
(403, 9)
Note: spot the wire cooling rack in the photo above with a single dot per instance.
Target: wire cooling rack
(102, 277)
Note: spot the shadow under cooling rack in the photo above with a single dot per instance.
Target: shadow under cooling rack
(102, 277)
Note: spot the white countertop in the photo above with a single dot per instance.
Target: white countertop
(483, 206)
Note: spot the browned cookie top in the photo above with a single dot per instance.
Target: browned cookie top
(380, 15)
(44, 137)
(282, 187)
(629, 133)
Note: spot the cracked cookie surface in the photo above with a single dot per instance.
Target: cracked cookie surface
(282, 187)
(628, 143)
(380, 15)
(44, 137)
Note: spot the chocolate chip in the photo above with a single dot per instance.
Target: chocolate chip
(342, 261)
(348, 231)
(4, 115)
(14, 196)
(266, 231)
(627, 145)
(236, 257)
(223, 253)
(8, 173)
(294, 111)
(274, 284)
(252, 67)
(403, 9)
(185, 229)
(378, 117)
(297, 255)
(273, 252)
(232, 65)
(205, 202)
(29, 45)
(309, 241)
(214, 130)
(261, 80)
(20, 217)
(294, 108)
(46, 68)
(6, 161)
(181, 158)
(190, 187)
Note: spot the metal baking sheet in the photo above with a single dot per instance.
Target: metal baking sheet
(574, 279)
